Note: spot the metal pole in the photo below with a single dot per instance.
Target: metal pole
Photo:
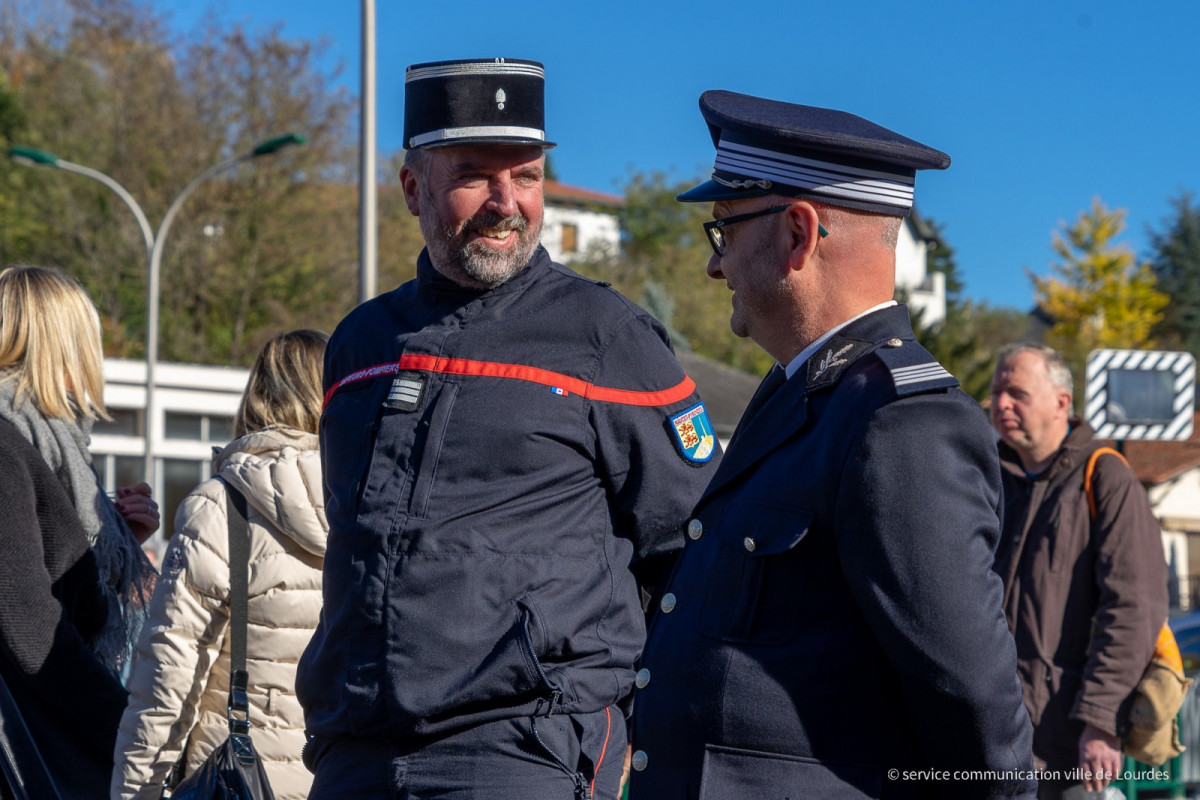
(153, 421)
(367, 225)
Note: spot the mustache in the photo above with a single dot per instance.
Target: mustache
(492, 221)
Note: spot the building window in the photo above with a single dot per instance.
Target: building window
(125, 422)
(199, 427)
(570, 238)
(180, 476)
(117, 471)
(184, 426)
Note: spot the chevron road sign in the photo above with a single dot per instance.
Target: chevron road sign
(1140, 394)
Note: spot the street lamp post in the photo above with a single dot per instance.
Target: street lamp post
(153, 419)
(367, 224)
(154, 248)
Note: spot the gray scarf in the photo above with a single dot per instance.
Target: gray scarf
(126, 574)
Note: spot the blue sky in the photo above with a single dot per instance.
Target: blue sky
(1041, 105)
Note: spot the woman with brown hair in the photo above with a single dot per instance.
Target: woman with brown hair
(180, 681)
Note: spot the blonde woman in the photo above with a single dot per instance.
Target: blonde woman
(74, 582)
(52, 389)
(180, 680)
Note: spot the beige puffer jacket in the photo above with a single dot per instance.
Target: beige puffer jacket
(180, 681)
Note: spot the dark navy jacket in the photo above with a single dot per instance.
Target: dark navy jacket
(834, 615)
(496, 463)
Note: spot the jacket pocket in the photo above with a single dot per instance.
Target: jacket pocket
(550, 680)
(754, 589)
(731, 772)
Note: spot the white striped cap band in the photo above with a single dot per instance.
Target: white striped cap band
(477, 132)
(473, 68)
(822, 178)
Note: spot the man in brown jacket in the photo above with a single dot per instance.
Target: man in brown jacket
(1084, 597)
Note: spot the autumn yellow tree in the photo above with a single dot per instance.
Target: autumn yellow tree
(1098, 295)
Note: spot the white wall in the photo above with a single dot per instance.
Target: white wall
(596, 229)
(1176, 504)
(926, 293)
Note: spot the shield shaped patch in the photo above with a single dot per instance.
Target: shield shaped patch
(694, 434)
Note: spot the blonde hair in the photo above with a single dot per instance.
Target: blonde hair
(285, 384)
(50, 338)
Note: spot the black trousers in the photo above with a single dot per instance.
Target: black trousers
(561, 757)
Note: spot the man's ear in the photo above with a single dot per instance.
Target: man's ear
(802, 228)
(412, 190)
(1064, 402)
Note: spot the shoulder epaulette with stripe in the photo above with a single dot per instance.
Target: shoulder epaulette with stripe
(913, 369)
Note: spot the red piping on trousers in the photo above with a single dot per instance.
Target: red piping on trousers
(603, 749)
(492, 369)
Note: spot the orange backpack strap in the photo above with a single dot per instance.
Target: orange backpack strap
(1091, 468)
(1166, 649)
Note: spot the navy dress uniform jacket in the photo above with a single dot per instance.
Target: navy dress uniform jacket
(496, 463)
(834, 615)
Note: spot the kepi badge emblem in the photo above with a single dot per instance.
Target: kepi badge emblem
(694, 433)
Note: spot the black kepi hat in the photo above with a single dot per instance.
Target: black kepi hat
(772, 147)
(475, 101)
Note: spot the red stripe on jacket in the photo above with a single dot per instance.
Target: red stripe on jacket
(521, 372)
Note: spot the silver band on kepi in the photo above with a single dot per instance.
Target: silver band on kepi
(477, 133)
(822, 178)
(497, 67)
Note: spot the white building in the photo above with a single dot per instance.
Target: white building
(195, 407)
(579, 222)
(925, 291)
(1170, 471)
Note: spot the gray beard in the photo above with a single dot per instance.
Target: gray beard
(492, 268)
(470, 263)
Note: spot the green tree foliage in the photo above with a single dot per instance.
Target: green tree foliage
(663, 268)
(269, 246)
(1176, 265)
(1098, 296)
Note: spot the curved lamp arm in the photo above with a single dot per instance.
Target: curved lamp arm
(32, 156)
(267, 147)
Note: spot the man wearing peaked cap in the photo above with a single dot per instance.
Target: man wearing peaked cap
(833, 628)
(510, 452)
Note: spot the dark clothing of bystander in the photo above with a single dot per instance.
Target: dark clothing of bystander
(1084, 598)
(51, 604)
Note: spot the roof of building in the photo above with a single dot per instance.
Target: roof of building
(563, 194)
(1158, 462)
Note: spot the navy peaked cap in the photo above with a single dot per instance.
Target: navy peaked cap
(772, 147)
(475, 101)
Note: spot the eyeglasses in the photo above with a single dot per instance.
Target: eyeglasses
(716, 234)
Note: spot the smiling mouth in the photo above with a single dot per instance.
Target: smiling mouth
(494, 233)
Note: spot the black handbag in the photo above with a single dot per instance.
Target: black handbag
(234, 770)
